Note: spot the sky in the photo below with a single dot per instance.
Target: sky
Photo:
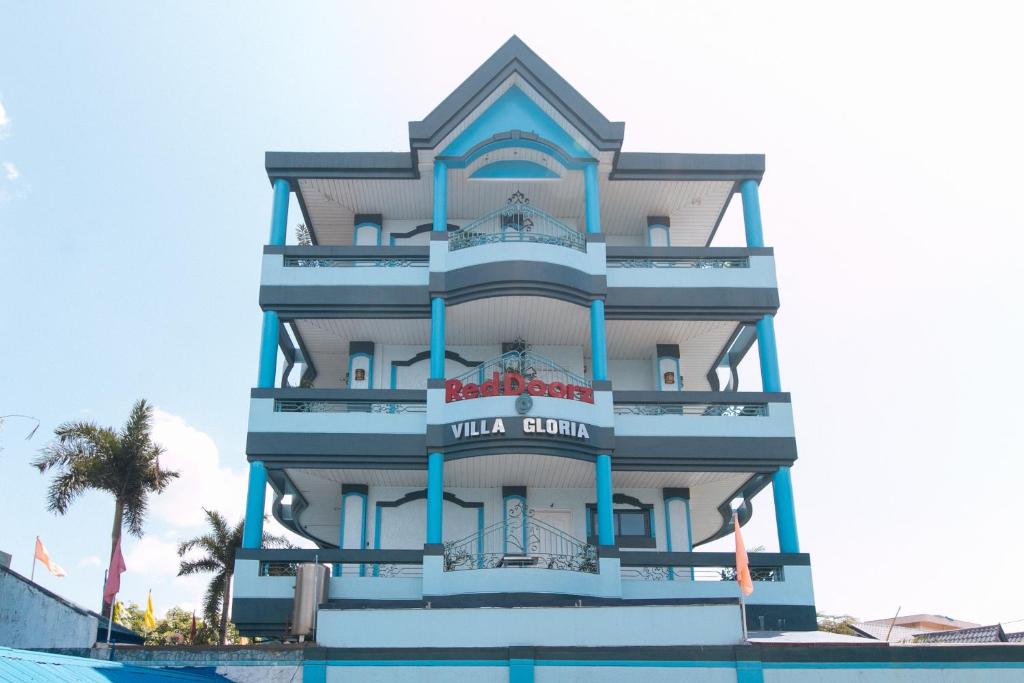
(134, 206)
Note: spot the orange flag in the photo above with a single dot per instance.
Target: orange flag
(44, 557)
(742, 562)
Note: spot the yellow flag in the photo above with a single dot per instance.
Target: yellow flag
(147, 618)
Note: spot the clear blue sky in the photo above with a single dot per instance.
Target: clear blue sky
(133, 207)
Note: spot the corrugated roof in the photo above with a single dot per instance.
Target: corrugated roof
(18, 666)
(899, 634)
(980, 634)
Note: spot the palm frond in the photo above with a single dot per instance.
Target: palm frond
(200, 566)
(212, 599)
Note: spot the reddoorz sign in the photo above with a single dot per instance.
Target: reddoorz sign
(513, 384)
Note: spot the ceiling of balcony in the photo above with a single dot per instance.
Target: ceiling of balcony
(541, 321)
(708, 490)
(693, 206)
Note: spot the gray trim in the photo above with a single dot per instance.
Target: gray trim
(384, 395)
(364, 489)
(507, 491)
(433, 549)
(309, 374)
(439, 236)
(372, 218)
(515, 57)
(702, 453)
(513, 600)
(262, 616)
(675, 492)
(517, 278)
(676, 166)
(631, 252)
(686, 303)
(673, 559)
(663, 221)
(295, 301)
(421, 494)
(424, 355)
(657, 397)
(712, 375)
(353, 451)
(747, 491)
(351, 251)
(721, 214)
(419, 230)
(333, 555)
(667, 351)
(380, 165)
(360, 347)
(596, 238)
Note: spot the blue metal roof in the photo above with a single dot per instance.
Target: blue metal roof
(18, 666)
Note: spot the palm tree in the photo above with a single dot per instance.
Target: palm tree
(219, 547)
(124, 463)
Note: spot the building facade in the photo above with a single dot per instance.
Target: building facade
(498, 387)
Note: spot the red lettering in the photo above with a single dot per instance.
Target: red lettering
(586, 394)
(491, 386)
(536, 387)
(557, 390)
(513, 383)
(471, 391)
(452, 390)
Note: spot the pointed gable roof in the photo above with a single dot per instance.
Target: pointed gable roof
(515, 57)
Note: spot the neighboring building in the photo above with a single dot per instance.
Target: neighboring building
(498, 393)
(36, 618)
(905, 629)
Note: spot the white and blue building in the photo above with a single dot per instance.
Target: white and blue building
(499, 393)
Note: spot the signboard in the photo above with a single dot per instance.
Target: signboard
(514, 384)
(543, 426)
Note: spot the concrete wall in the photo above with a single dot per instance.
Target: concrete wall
(31, 618)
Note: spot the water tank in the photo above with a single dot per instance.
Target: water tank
(310, 590)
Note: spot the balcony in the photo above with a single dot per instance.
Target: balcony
(305, 280)
(518, 249)
(703, 428)
(361, 427)
(712, 282)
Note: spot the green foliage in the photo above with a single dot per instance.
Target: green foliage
(836, 623)
(218, 558)
(303, 236)
(173, 628)
(124, 463)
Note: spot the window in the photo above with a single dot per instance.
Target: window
(633, 528)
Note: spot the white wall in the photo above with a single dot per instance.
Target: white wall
(30, 618)
(631, 374)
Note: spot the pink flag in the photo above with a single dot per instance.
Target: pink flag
(44, 557)
(113, 584)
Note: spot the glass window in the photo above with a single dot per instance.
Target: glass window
(630, 523)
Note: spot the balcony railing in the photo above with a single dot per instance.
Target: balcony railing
(680, 262)
(528, 364)
(726, 409)
(377, 563)
(345, 406)
(517, 221)
(355, 262)
(658, 566)
(520, 542)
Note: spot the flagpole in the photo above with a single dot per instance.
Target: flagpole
(110, 618)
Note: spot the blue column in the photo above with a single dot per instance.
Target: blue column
(605, 519)
(751, 214)
(598, 347)
(437, 338)
(266, 378)
(591, 200)
(435, 496)
(782, 483)
(440, 196)
(279, 214)
(252, 534)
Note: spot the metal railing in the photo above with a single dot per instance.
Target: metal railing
(699, 409)
(355, 262)
(680, 262)
(691, 573)
(520, 542)
(526, 363)
(517, 221)
(344, 406)
(381, 570)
